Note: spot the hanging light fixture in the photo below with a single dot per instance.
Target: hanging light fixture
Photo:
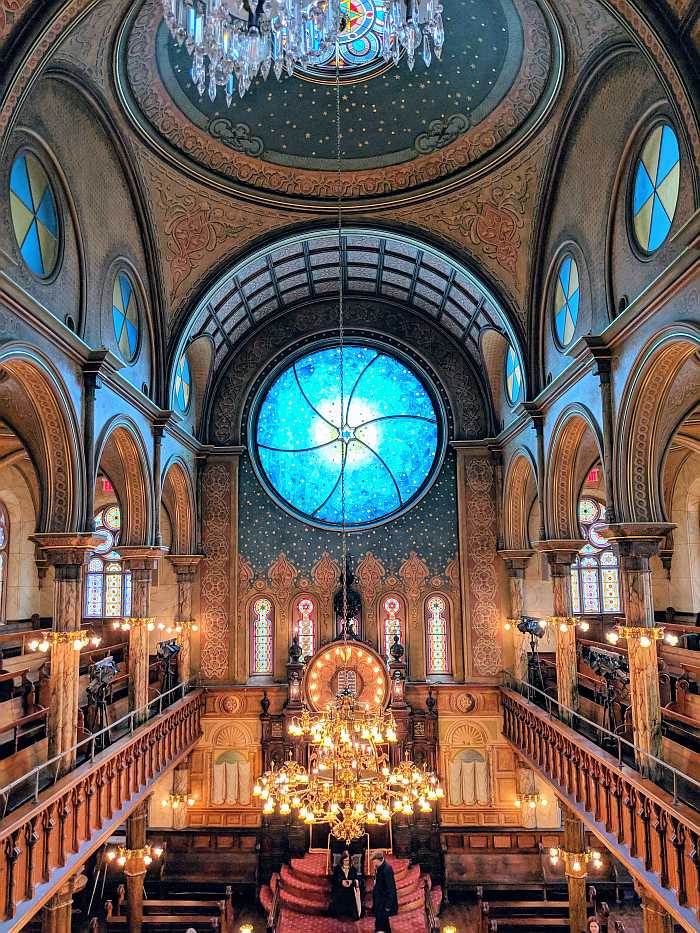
(349, 783)
(233, 41)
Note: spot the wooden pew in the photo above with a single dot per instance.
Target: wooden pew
(207, 902)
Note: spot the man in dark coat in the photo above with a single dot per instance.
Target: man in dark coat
(385, 901)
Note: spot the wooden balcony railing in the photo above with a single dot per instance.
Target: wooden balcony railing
(649, 830)
(45, 841)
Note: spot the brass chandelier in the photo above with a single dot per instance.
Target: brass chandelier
(349, 783)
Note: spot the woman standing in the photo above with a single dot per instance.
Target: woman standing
(346, 899)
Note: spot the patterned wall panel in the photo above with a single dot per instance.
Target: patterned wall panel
(216, 571)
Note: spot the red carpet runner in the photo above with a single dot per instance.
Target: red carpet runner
(304, 898)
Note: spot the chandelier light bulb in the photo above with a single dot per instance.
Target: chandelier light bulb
(645, 641)
(612, 637)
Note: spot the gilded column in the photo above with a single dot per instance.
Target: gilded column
(141, 562)
(66, 553)
(637, 544)
(575, 845)
(516, 563)
(560, 555)
(135, 869)
(185, 567)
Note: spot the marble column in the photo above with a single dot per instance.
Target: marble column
(57, 915)
(141, 562)
(575, 844)
(516, 562)
(654, 917)
(185, 567)
(135, 869)
(66, 553)
(560, 555)
(637, 544)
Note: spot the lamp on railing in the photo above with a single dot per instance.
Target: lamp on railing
(123, 855)
(175, 801)
(564, 623)
(576, 862)
(79, 640)
(643, 635)
(530, 801)
(125, 625)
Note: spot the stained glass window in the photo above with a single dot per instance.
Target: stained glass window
(125, 316)
(514, 376)
(378, 456)
(595, 575)
(183, 384)
(107, 584)
(393, 623)
(4, 556)
(34, 214)
(566, 300)
(436, 635)
(262, 636)
(655, 187)
(305, 625)
(359, 45)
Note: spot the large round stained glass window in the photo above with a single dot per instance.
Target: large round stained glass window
(377, 445)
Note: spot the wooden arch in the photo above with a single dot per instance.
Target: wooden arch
(576, 443)
(35, 404)
(121, 453)
(658, 395)
(178, 500)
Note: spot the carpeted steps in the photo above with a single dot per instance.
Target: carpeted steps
(305, 892)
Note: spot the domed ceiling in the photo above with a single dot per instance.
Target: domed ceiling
(402, 130)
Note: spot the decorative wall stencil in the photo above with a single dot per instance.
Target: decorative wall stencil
(10, 13)
(484, 597)
(215, 570)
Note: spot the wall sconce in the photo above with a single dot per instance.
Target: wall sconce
(78, 639)
(645, 636)
(246, 928)
(125, 625)
(564, 623)
(530, 801)
(508, 625)
(449, 929)
(175, 801)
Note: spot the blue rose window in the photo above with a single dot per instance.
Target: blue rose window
(381, 454)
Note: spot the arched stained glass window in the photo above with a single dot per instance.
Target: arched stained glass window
(655, 187)
(262, 636)
(437, 635)
(566, 300)
(378, 457)
(4, 558)
(393, 623)
(125, 316)
(595, 575)
(107, 584)
(34, 214)
(514, 376)
(306, 625)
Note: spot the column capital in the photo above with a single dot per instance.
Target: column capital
(67, 549)
(141, 557)
(560, 553)
(516, 561)
(184, 564)
(637, 540)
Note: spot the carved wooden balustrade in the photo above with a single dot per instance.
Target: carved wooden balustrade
(656, 838)
(44, 842)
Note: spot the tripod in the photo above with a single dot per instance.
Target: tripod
(99, 718)
(535, 675)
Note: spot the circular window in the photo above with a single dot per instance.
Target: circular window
(183, 384)
(34, 214)
(514, 376)
(367, 453)
(655, 188)
(125, 314)
(566, 300)
(359, 44)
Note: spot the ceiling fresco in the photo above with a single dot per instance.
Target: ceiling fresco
(402, 130)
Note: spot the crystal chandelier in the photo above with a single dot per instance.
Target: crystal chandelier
(233, 41)
(348, 783)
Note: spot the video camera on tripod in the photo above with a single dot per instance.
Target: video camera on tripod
(98, 691)
(614, 670)
(167, 652)
(535, 628)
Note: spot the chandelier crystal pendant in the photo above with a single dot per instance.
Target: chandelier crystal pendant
(233, 41)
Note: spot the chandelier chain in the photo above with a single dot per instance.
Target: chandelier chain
(341, 339)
